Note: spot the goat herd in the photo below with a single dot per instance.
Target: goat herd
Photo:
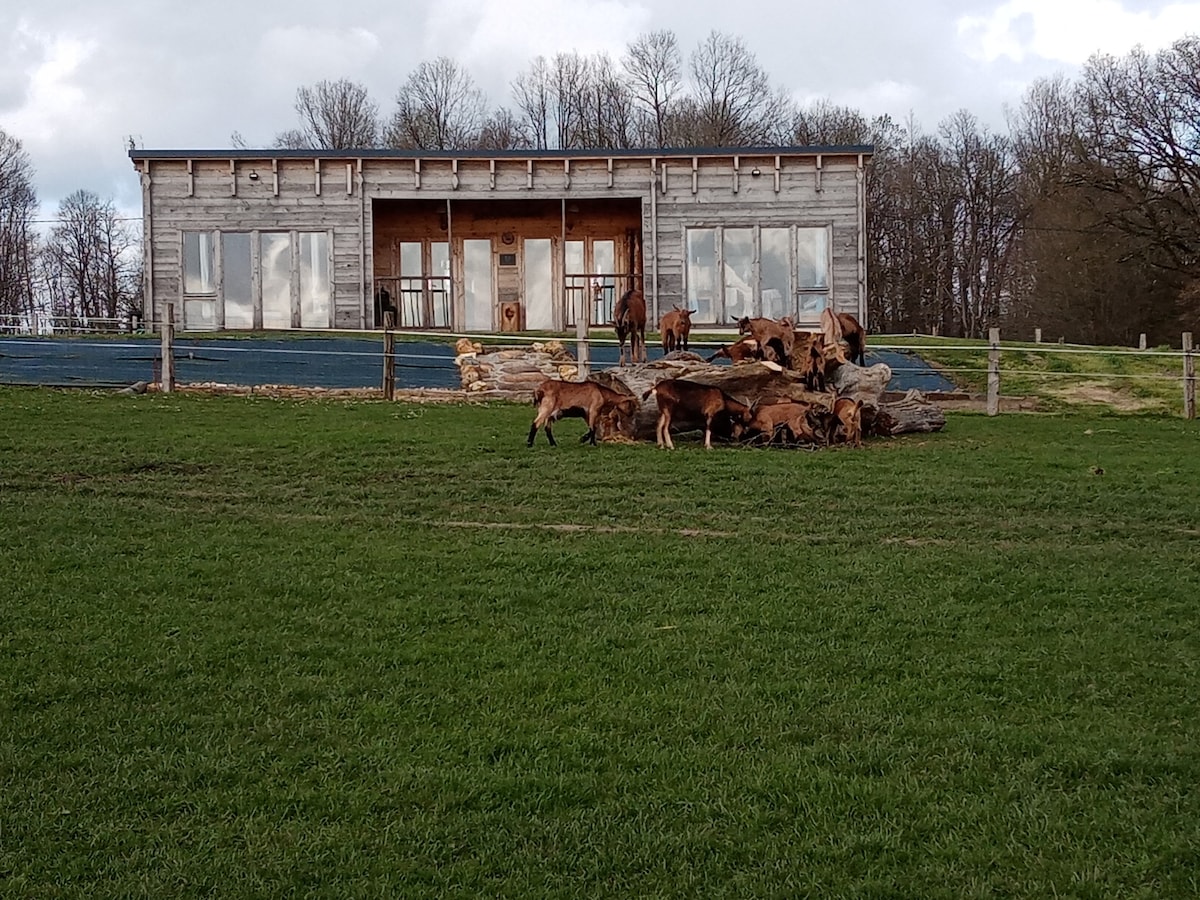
(813, 354)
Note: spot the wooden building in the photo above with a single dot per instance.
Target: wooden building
(499, 241)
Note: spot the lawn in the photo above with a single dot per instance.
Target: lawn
(263, 648)
(1061, 377)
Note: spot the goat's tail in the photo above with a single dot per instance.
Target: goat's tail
(649, 391)
(538, 395)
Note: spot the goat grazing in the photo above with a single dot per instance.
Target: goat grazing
(629, 319)
(675, 327)
(795, 416)
(777, 335)
(843, 421)
(585, 400)
(686, 400)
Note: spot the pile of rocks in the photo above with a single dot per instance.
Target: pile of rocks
(512, 372)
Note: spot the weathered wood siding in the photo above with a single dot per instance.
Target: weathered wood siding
(664, 196)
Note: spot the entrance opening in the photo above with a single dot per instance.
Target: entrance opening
(488, 265)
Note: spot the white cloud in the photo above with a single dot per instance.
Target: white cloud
(298, 55)
(55, 94)
(1070, 31)
(503, 38)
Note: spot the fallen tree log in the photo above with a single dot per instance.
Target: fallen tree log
(765, 382)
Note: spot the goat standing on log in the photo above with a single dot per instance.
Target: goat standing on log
(675, 327)
(771, 334)
(629, 319)
(680, 399)
(855, 337)
(585, 400)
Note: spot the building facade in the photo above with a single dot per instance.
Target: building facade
(472, 242)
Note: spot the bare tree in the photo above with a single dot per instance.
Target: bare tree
(18, 206)
(503, 131)
(654, 68)
(531, 90)
(437, 108)
(334, 115)
(91, 259)
(1139, 145)
(735, 103)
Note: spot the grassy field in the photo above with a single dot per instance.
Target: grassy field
(267, 648)
(1060, 377)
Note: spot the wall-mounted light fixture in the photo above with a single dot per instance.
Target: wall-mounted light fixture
(755, 172)
(253, 175)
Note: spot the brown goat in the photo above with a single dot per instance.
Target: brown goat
(819, 359)
(843, 421)
(675, 328)
(686, 400)
(629, 319)
(847, 414)
(585, 400)
(855, 337)
(746, 348)
(771, 333)
(795, 416)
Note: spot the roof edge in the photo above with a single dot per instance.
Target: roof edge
(598, 153)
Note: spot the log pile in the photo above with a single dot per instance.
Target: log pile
(514, 372)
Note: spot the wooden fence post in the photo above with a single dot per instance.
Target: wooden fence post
(993, 378)
(1189, 378)
(167, 378)
(1142, 341)
(389, 356)
(583, 351)
(1037, 335)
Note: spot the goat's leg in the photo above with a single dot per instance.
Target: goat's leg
(550, 435)
(708, 432)
(532, 433)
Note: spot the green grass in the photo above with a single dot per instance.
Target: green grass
(1061, 378)
(265, 648)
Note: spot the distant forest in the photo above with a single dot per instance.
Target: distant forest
(1083, 219)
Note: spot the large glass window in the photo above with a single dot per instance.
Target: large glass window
(768, 271)
(702, 273)
(439, 282)
(738, 247)
(412, 284)
(236, 284)
(604, 281)
(315, 287)
(198, 268)
(775, 276)
(477, 272)
(539, 285)
(812, 272)
(276, 280)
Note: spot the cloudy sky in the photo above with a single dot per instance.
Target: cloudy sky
(79, 78)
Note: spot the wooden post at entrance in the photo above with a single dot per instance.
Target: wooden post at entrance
(389, 356)
(1189, 378)
(166, 382)
(1142, 341)
(993, 378)
(1037, 335)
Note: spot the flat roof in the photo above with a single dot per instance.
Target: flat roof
(595, 153)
